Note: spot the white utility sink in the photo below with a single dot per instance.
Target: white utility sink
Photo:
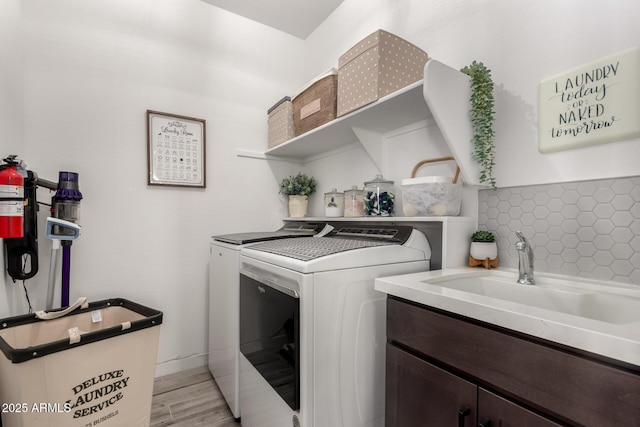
(572, 298)
(599, 317)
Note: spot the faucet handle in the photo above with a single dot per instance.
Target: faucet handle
(522, 238)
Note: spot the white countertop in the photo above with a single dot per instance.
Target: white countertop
(620, 341)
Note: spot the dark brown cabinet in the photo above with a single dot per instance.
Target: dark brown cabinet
(445, 370)
(420, 394)
(495, 411)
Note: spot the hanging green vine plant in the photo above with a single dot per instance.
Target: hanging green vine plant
(482, 116)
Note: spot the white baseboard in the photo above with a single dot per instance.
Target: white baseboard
(178, 365)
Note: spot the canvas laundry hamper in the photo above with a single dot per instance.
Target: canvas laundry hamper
(92, 364)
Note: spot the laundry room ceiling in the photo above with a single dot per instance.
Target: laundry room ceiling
(296, 17)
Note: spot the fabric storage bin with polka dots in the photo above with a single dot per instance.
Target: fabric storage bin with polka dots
(378, 65)
(280, 122)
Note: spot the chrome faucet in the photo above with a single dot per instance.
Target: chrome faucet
(525, 253)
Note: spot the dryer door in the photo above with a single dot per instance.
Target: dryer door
(270, 333)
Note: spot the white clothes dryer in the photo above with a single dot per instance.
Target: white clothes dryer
(312, 326)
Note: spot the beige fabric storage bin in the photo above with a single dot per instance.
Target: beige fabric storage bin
(380, 64)
(316, 103)
(280, 122)
(94, 365)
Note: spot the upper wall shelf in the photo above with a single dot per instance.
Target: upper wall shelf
(447, 92)
(443, 94)
(396, 110)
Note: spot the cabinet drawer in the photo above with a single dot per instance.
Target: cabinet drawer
(568, 386)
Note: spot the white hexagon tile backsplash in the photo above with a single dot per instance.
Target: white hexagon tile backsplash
(588, 229)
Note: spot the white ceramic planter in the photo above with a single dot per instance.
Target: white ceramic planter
(484, 250)
(298, 206)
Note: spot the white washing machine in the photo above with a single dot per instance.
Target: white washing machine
(224, 255)
(312, 326)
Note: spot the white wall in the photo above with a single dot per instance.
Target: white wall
(11, 81)
(522, 42)
(91, 70)
(11, 113)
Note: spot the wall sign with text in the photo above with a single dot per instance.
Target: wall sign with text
(595, 103)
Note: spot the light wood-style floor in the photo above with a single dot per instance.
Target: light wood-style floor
(189, 399)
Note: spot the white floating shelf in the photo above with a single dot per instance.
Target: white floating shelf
(443, 94)
(399, 109)
(447, 92)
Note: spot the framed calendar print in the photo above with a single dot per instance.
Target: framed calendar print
(175, 150)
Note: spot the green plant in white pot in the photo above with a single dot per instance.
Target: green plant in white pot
(482, 117)
(298, 187)
(483, 246)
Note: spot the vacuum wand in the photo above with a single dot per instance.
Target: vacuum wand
(71, 232)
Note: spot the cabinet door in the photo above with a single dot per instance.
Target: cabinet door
(494, 411)
(421, 394)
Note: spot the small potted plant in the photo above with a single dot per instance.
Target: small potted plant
(298, 188)
(483, 246)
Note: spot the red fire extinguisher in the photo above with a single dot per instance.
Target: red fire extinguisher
(11, 200)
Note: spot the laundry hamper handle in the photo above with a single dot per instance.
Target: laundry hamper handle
(43, 315)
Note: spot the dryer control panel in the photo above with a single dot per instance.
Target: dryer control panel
(395, 234)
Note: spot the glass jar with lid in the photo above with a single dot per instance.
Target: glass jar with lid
(353, 202)
(379, 197)
(333, 203)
